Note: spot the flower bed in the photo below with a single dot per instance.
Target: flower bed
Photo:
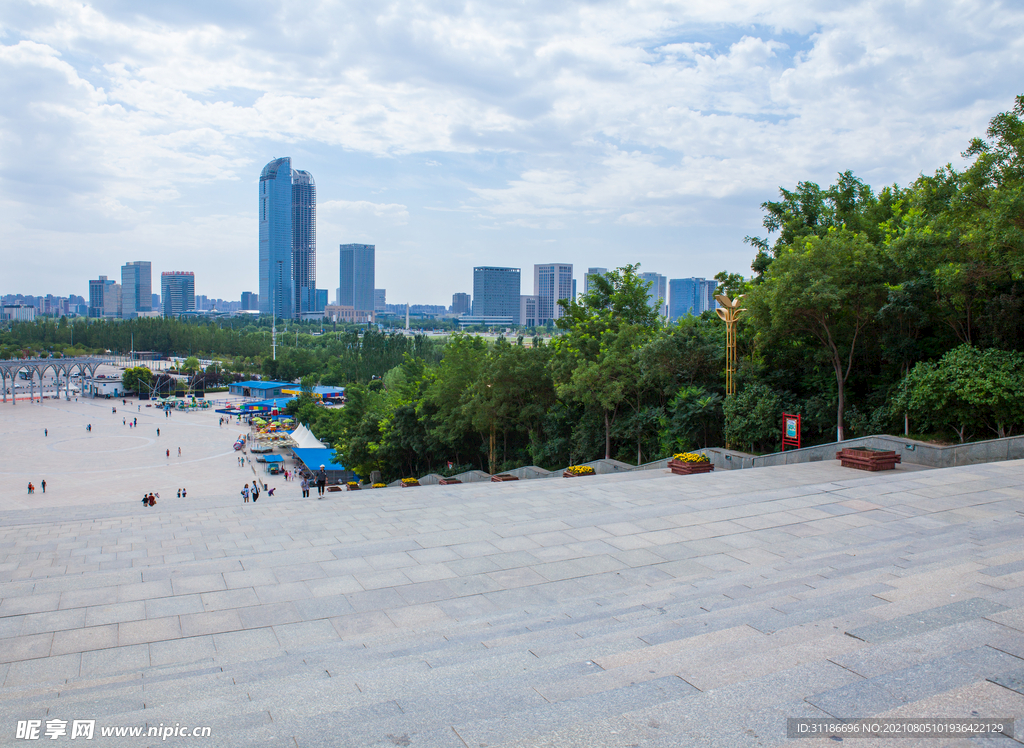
(688, 463)
(868, 459)
(380, 485)
(409, 482)
(577, 471)
(502, 478)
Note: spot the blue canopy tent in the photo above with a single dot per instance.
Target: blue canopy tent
(312, 458)
(274, 464)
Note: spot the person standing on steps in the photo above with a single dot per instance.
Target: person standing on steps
(45, 432)
(43, 484)
(245, 494)
(321, 481)
(158, 432)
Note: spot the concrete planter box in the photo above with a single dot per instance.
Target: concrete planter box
(350, 487)
(567, 474)
(413, 484)
(868, 459)
(448, 482)
(502, 478)
(678, 467)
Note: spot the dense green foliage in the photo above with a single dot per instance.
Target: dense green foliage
(864, 310)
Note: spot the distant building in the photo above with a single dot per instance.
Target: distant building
(156, 301)
(657, 290)
(496, 293)
(321, 300)
(136, 288)
(528, 310)
(591, 272)
(692, 296)
(178, 291)
(104, 298)
(287, 257)
(461, 303)
(339, 313)
(356, 275)
(304, 242)
(550, 284)
(18, 312)
(380, 299)
(250, 300)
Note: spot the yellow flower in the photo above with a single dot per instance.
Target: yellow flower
(690, 457)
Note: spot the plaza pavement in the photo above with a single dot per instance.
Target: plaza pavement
(638, 609)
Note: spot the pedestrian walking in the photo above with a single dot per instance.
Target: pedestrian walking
(124, 422)
(255, 490)
(45, 432)
(304, 485)
(43, 484)
(245, 494)
(135, 421)
(168, 454)
(321, 481)
(179, 451)
(158, 432)
(31, 488)
(184, 494)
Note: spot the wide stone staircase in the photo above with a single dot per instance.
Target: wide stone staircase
(675, 611)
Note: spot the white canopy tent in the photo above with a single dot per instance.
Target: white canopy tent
(304, 439)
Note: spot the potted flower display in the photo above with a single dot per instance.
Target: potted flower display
(352, 485)
(380, 485)
(687, 463)
(577, 471)
(409, 482)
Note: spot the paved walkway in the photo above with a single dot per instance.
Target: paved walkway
(640, 609)
(114, 462)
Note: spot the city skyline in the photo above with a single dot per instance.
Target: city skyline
(468, 136)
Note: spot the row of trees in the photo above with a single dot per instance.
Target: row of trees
(866, 311)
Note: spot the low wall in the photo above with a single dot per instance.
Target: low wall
(911, 451)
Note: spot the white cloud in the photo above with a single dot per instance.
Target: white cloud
(528, 117)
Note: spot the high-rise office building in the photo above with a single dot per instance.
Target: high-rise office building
(591, 272)
(496, 292)
(287, 240)
(104, 298)
(461, 303)
(356, 274)
(380, 299)
(658, 289)
(250, 300)
(551, 283)
(178, 291)
(321, 300)
(304, 241)
(692, 296)
(136, 288)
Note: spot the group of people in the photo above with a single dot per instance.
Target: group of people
(182, 494)
(149, 499)
(254, 493)
(32, 488)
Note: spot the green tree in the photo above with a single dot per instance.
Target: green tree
(829, 289)
(136, 378)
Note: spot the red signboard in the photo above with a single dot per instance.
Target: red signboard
(790, 431)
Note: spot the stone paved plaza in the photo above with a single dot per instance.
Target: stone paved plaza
(639, 609)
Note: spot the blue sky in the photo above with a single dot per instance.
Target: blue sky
(453, 134)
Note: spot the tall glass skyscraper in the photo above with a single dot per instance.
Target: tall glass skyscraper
(496, 292)
(691, 296)
(356, 276)
(304, 241)
(287, 240)
(136, 288)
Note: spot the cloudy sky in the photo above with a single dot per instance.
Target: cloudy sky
(452, 134)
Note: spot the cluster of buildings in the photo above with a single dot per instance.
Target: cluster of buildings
(288, 280)
(497, 298)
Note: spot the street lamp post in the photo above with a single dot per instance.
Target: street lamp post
(729, 312)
